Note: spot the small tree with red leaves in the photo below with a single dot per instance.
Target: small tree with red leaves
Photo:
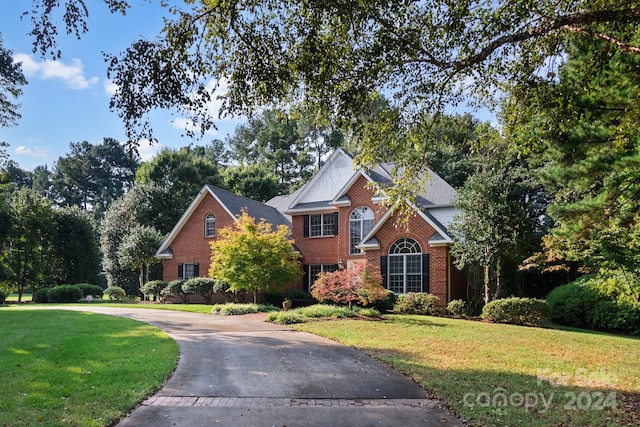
(361, 283)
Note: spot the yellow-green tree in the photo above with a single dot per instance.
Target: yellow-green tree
(252, 257)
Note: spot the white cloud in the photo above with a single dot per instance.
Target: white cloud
(110, 87)
(37, 152)
(72, 75)
(187, 124)
(147, 150)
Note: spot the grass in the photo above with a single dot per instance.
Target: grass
(71, 368)
(549, 377)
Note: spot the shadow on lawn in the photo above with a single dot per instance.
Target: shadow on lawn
(415, 321)
(552, 397)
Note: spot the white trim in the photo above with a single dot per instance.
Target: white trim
(327, 209)
(341, 204)
(308, 186)
(390, 212)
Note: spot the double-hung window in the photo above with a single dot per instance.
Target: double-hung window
(360, 223)
(210, 226)
(320, 225)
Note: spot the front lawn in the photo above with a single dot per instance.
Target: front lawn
(494, 374)
(83, 369)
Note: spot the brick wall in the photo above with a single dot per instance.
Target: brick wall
(190, 245)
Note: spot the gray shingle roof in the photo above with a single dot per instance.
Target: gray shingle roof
(258, 210)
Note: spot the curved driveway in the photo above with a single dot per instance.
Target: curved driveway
(242, 371)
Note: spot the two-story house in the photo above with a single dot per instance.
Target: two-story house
(337, 219)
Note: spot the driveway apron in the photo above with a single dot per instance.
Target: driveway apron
(242, 371)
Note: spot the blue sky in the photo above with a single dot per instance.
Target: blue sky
(67, 100)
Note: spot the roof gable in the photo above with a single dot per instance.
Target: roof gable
(232, 204)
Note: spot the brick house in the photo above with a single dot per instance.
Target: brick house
(336, 219)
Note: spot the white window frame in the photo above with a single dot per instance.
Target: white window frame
(405, 255)
(210, 231)
(361, 221)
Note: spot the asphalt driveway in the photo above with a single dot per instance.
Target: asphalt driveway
(242, 371)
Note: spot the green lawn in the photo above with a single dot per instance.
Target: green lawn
(548, 377)
(70, 368)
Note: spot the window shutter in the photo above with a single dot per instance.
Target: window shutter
(335, 223)
(305, 226)
(383, 270)
(180, 271)
(425, 272)
(196, 270)
(305, 277)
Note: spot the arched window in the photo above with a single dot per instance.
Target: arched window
(407, 271)
(210, 225)
(360, 223)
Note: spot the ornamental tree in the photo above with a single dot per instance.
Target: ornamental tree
(361, 283)
(250, 256)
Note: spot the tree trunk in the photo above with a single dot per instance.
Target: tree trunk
(498, 291)
(486, 284)
(141, 277)
(255, 296)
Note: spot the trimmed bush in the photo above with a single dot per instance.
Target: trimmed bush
(203, 286)
(173, 289)
(517, 311)
(286, 317)
(89, 289)
(457, 308)
(386, 303)
(417, 303)
(571, 304)
(64, 294)
(3, 296)
(41, 296)
(115, 293)
(154, 287)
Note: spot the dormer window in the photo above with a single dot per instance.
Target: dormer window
(210, 225)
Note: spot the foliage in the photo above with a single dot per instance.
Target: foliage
(457, 308)
(75, 246)
(417, 303)
(183, 172)
(27, 252)
(582, 125)
(596, 302)
(11, 80)
(174, 289)
(110, 168)
(386, 303)
(203, 286)
(3, 296)
(272, 139)
(362, 283)
(249, 256)
(319, 311)
(64, 293)
(518, 311)
(115, 293)
(288, 317)
(154, 287)
(254, 181)
(41, 296)
(137, 250)
(145, 205)
(89, 289)
(231, 309)
(501, 220)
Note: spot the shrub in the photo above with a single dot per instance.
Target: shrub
(368, 312)
(571, 304)
(3, 296)
(361, 283)
(204, 286)
(89, 289)
(326, 310)
(286, 317)
(154, 287)
(517, 311)
(417, 303)
(230, 309)
(64, 294)
(296, 294)
(115, 293)
(41, 296)
(457, 308)
(386, 303)
(173, 289)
